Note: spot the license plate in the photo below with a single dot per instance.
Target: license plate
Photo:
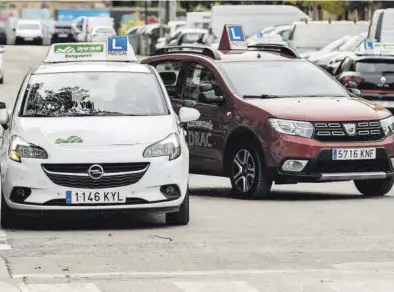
(94, 197)
(353, 153)
(28, 39)
(63, 35)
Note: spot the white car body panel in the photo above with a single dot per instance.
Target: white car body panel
(106, 139)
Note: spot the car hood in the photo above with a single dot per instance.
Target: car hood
(95, 131)
(321, 109)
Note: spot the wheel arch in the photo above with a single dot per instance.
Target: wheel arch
(239, 135)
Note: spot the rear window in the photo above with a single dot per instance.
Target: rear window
(375, 66)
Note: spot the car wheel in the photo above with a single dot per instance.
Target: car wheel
(374, 187)
(180, 217)
(247, 173)
(8, 218)
(2, 80)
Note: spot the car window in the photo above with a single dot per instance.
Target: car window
(375, 66)
(167, 67)
(289, 78)
(94, 93)
(198, 75)
(285, 34)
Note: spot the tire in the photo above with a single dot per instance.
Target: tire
(2, 80)
(182, 216)
(374, 187)
(247, 173)
(8, 219)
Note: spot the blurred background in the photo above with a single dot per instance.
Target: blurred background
(150, 25)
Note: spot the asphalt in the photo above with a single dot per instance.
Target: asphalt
(310, 237)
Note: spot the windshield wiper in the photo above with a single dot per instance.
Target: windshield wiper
(265, 96)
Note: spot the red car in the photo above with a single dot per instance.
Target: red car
(270, 117)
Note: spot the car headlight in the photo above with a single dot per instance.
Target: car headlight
(388, 125)
(20, 148)
(295, 128)
(169, 146)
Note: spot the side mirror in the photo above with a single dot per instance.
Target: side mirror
(355, 92)
(210, 97)
(4, 115)
(351, 85)
(187, 114)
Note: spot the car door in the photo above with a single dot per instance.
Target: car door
(206, 136)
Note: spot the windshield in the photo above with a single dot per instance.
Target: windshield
(352, 43)
(93, 93)
(334, 45)
(28, 26)
(283, 78)
(375, 66)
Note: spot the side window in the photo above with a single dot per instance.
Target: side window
(198, 76)
(169, 73)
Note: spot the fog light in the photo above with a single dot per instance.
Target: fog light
(170, 191)
(20, 194)
(294, 165)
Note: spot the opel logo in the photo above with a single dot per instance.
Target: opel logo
(96, 171)
(350, 129)
(383, 80)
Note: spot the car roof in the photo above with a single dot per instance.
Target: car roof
(67, 67)
(244, 56)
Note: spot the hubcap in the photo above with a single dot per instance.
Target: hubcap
(244, 170)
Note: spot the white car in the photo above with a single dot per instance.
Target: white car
(99, 135)
(101, 33)
(29, 31)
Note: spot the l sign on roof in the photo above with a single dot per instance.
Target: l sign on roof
(233, 38)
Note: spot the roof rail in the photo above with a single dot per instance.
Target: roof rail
(206, 51)
(275, 48)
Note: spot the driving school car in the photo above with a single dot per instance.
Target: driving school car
(92, 129)
(269, 116)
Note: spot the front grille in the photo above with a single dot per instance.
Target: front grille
(336, 131)
(325, 164)
(83, 167)
(76, 175)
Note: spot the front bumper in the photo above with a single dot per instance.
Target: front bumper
(320, 166)
(47, 195)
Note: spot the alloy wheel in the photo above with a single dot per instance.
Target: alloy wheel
(244, 170)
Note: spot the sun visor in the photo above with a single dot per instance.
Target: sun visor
(233, 38)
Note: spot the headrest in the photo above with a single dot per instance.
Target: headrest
(169, 78)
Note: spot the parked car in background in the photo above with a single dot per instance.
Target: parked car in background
(29, 31)
(62, 33)
(101, 33)
(334, 59)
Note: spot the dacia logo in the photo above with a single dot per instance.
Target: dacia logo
(71, 139)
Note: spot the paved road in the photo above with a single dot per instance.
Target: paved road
(320, 238)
